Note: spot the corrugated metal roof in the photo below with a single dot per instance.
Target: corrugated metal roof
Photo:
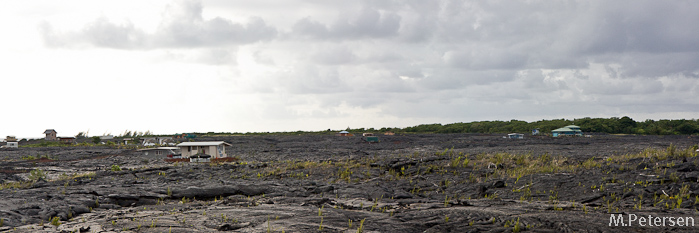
(203, 143)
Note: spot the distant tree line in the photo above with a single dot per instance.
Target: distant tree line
(614, 125)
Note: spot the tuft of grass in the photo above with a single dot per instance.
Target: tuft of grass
(360, 229)
(55, 221)
(320, 227)
(37, 174)
(516, 228)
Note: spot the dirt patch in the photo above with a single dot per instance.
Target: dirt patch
(42, 160)
(13, 171)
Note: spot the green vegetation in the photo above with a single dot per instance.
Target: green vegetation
(135, 133)
(46, 144)
(360, 229)
(115, 168)
(56, 221)
(614, 125)
(37, 174)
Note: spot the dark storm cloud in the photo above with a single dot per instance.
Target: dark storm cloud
(182, 26)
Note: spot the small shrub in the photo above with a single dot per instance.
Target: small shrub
(116, 168)
(37, 174)
(55, 221)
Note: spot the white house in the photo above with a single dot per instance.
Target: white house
(166, 151)
(11, 145)
(215, 149)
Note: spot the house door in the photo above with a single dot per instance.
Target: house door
(220, 151)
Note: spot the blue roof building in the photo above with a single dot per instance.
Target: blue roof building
(571, 130)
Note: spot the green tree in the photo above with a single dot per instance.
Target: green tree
(626, 124)
(687, 128)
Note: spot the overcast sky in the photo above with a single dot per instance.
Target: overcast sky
(268, 65)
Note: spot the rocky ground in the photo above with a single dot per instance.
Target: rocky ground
(409, 183)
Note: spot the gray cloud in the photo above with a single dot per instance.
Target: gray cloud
(103, 33)
(485, 59)
(367, 23)
(182, 26)
(646, 27)
(311, 79)
(446, 59)
(334, 55)
(263, 58)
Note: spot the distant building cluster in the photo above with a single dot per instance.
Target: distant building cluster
(51, 136)
(204, 151)
(570, 130)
